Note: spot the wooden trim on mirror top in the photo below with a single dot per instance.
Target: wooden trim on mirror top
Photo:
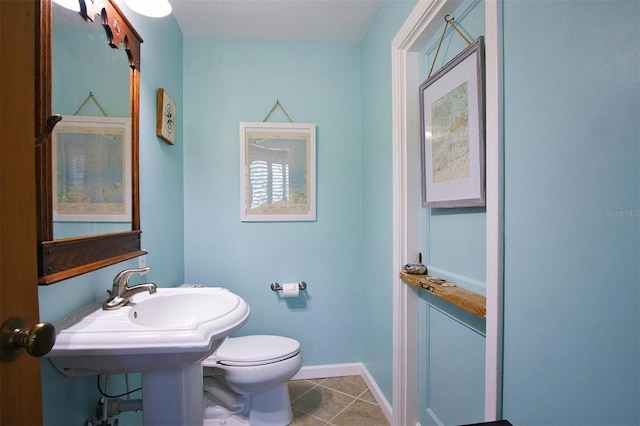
(66, 258)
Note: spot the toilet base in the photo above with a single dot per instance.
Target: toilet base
(235, 420)
(270, 408)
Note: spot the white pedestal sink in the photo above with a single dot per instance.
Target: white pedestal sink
(164, 336)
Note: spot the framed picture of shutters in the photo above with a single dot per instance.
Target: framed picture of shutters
(277, 172)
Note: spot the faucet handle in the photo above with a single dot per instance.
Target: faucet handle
(123, 276)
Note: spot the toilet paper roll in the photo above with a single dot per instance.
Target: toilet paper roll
(290, 290)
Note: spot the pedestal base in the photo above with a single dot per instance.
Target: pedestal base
(172, 397)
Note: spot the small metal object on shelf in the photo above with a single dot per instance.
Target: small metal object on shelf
(415, 268)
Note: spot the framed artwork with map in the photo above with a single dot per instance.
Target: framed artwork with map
(91, 158)
(452, 132)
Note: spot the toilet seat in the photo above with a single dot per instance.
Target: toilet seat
(251, 351)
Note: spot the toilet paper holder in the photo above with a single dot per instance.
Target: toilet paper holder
(277, 287)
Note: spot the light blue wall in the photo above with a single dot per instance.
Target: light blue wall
(572, 114)
(227, 81)
(377, 209)
(70, 401)
(72, 36)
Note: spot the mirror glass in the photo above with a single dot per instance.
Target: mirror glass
(87, 172)
(91, 146)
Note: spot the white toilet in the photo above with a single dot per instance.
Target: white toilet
(245, 381)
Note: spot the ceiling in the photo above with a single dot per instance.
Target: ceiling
(343, 21)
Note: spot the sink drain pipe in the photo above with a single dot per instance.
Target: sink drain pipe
(113, 406)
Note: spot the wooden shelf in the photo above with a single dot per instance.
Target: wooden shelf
(469, 301)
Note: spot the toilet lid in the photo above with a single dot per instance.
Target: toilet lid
(256, 350)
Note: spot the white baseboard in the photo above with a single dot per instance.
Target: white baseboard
(348, 369)
(377, 394)
(329, 370)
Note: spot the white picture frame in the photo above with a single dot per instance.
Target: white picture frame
(91, 179)
(277, 172)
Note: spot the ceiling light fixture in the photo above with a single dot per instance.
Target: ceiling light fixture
(151, 8)
(69, 4)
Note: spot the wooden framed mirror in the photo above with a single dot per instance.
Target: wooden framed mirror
(72, 71)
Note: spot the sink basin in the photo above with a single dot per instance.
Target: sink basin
(168, 330)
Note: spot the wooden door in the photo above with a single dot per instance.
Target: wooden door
(20, 387)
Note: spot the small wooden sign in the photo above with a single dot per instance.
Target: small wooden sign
(166, 117)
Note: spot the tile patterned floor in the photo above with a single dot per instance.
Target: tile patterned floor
(335, 401)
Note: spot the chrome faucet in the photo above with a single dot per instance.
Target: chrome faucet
(121, 293)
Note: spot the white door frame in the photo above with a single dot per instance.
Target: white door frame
(427, 18)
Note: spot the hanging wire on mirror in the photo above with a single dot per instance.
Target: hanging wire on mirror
(56, 118)
(93, 98)
(449, 21)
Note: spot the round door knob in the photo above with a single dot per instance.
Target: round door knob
(16, 337)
